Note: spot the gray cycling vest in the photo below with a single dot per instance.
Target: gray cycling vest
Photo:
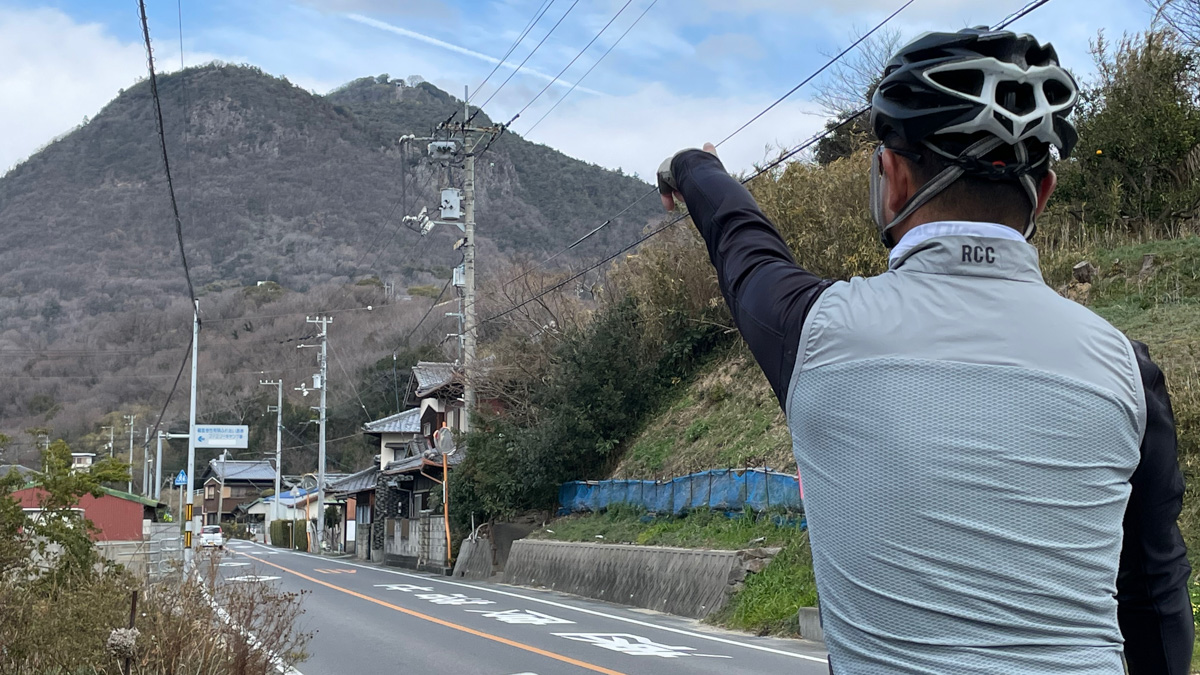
(965, 438)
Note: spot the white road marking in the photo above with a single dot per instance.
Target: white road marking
(455, 599)
(233, 564)
(251, 577)
(646, 624)
(407, 588)
(521, 617)
(634, 645)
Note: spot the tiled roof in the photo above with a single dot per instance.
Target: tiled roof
(356, 482)
(433, 376)
(407, 422)
(24, 471)
(239, 469)
(415, 463)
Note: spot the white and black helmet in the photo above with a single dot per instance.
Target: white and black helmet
(973, 97)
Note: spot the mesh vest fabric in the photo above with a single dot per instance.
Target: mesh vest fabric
(965, 438)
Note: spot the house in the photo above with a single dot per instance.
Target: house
(24, 471)
(404, 529)
(82, 461)
(357, 491)
(230, 483)
(117, 515)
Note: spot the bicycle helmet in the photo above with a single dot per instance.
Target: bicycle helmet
(968, 95)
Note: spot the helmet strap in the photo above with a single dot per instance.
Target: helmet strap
(931, 189)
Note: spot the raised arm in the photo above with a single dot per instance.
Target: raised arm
(1153, 606)
(768, 294)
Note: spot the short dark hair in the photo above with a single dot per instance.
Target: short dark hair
(975, 197)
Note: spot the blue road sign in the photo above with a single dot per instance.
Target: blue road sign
(181, 479)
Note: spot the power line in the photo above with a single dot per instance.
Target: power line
(820, 70)
(351, 381)
(589, 70)
(782, 158)
(162, 138)
(652, 191)
(1011, 18)
(1025, 11)
(182, 366)
(522, 64)
(572, 61)
(427, 312)
(537, 16)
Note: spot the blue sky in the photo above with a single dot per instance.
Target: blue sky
(690, 71)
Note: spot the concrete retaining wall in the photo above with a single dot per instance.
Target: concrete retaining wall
(810, 624)
(474, 559)
(687, 582)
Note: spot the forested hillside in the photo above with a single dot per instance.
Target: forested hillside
(274, 184)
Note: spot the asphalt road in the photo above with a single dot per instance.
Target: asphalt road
(371, 620)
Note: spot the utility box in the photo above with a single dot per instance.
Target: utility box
(442, 149)
(460, 277)
(451, 204)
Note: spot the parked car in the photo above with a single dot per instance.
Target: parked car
(210, 535)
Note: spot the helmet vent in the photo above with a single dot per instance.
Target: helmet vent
(1056, 92)
(969, 82)
(1004, 121)
(1016, 97)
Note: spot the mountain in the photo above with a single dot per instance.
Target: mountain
(274, 183)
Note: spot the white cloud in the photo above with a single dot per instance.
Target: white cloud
(382, 25)
(56, 71)
(636, 132)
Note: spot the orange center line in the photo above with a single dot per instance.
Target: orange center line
(443, 622)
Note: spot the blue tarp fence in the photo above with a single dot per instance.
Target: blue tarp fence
(720, 489)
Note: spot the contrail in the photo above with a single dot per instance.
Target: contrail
(382, 25)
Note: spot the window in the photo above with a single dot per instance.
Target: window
(210, 492)
(362, 514)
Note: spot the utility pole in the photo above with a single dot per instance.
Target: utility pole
(468, 338)
(278, 407)
(164, 435)
(459, 210)
(190, 525)
(320, 382)
(111, 438)
(146, 465)
(130, 419)
(221, 494)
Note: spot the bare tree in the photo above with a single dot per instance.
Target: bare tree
(851, 80)
(1182, 15)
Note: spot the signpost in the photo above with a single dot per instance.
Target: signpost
(296, 493)
(222, 436)
(180, 481)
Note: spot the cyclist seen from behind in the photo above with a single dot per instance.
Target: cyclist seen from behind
(989, 469)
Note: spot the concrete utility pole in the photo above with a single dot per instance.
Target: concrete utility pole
(130, 419)
(320, 382)
(278, 408)
(111, 438)
(190, 525)
(146, 465)
(468, 272)
(221, 493)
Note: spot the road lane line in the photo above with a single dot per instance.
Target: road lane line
(646, 624)
(443, 622)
